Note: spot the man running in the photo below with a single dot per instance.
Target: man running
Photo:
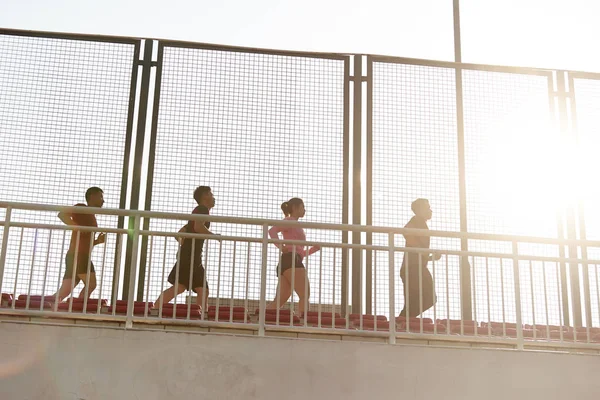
(81, 246)
(413, 262)
(181, 279)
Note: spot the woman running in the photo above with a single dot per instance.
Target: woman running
(413, 262)
(291, 256)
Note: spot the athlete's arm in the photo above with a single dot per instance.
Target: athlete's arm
(66, 218)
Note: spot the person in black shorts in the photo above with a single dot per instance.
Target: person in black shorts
(412, 263)
(81, 246)
(293, 210)
(188, 261)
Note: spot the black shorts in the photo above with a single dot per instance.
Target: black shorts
(285, 263)
(198, 278)
(82, 265)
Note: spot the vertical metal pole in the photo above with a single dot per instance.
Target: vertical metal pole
(465, 271)
(134, 247)
(346, 187)
(263, 282)
(137, 164)
(356, 184)
(151, 157)
(517, 279)
(5, 233)
(562, 267)
(571, 218)
(392, 292)
(125, 175)
(581, 212)
(369, 184)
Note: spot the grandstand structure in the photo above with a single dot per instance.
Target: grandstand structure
(504, 155)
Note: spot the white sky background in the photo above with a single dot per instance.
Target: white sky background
(540, 33)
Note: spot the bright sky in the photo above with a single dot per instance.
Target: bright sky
(540, 33)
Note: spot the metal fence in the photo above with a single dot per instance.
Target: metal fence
(508, 322)
(498, 150)
(66, 117)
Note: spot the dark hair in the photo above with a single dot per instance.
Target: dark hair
(92, 191)
(201, 191)
(289, 205)
(418, 203)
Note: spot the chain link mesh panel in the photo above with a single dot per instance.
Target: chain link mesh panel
(513, 179)
(587, 117)
(259, 129)
(63, 127)
(414, 155)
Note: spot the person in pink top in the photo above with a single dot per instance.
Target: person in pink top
(293, 210)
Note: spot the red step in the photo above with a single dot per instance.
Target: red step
(227, 308)
(327, 322)
(570, 336)
(469, 330)
(33, 304)
(122, 310)
(283, 319)
(226, 316)
(457, 322)
(401, 320)
(324, 314)
(415, 327)
(370, 325)
(180, 313)
(499, 325)
(135, 303)
(78, 307)
(551, 327)
(367, 317)
(283, 311)
(182, 306)
(35, 297)
(527, 333)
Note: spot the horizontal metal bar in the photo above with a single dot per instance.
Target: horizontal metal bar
(305, 225)
(584, 75)
(463, 66)
(255, 50)
(70, 36)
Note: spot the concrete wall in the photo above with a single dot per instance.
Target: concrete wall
(72, 363)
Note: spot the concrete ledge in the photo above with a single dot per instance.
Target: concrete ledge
(321, 336)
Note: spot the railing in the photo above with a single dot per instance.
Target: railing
(518, 297)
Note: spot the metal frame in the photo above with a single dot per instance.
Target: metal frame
(346, 185)
(130, 111)
(369, 190)
(130, 257)
(520, 342)
(458, 67)
(579, 205)
(356, 184)
(70, 36)
(150, 171)
(162, 44)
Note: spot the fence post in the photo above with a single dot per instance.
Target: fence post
(263, 282)
(138, 155)
(517, 279)
(356, 186)
(4, 244)
(392, 289)
(134, 255)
